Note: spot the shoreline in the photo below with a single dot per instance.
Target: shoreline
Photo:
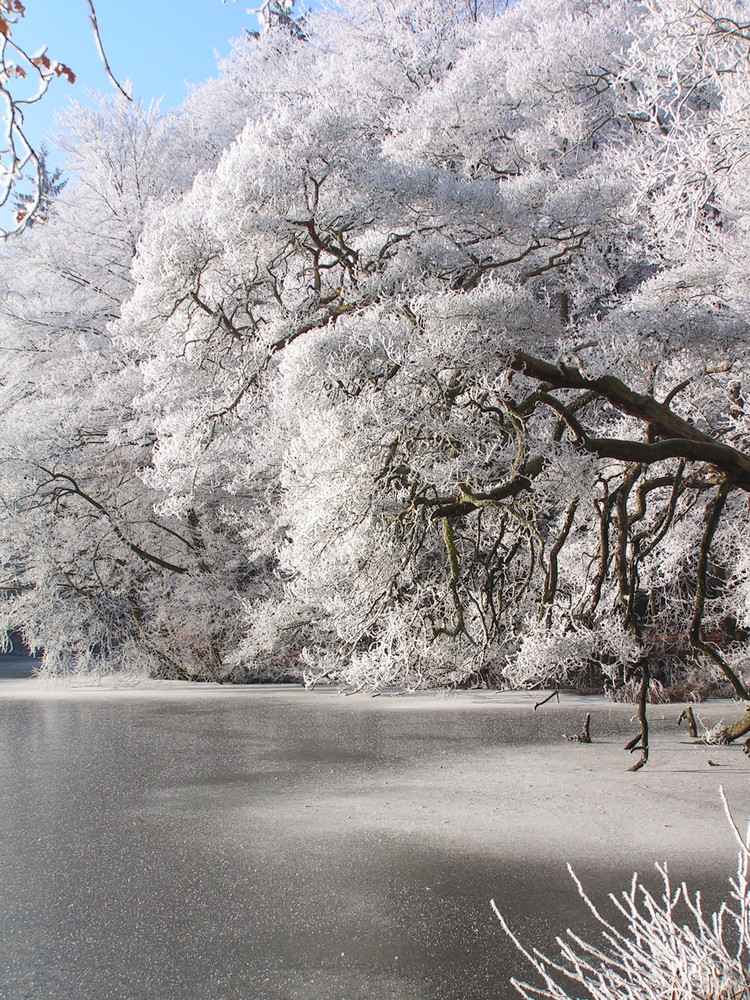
(459, 699)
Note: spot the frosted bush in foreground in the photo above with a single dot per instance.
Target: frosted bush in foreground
(655, 956)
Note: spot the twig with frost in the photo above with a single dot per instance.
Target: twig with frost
(714, 734)
(655, 957)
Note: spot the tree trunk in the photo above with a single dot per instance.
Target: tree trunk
(739, 728)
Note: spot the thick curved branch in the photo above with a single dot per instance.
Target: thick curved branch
(469, 501)
(679, 438)
(450, 545)
(696, 626)
(724, 458)
(641, 742)
(73, 489)
(550, 583)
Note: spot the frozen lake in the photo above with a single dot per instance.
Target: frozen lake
(210, 843)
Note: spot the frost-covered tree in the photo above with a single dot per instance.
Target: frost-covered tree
(51, 184)
(453, 304)
(95, 577)
(443, 314)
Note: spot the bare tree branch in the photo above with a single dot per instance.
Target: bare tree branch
(102, 54)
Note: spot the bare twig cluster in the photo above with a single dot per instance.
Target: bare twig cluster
(647, 950)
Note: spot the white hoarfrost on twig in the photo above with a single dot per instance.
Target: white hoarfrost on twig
(654, 948)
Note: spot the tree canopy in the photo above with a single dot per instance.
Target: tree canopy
(412, 349)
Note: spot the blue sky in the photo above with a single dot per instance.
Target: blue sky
(159, 45)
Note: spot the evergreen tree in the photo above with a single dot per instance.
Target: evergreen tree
(49, 186)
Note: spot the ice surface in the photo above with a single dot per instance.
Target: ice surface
(183, 841)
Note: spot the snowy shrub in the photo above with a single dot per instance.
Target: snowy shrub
(647, 951)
